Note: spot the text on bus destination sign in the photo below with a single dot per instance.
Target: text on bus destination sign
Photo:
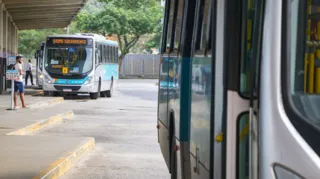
(70, 41)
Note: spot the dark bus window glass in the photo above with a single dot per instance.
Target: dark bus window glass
(170, 25)
(116, 54)
(110, 54)
(113, 56)
(77, 60)
(178, 23)
(243, 146)
(104, 59)
(247, 21)
(202, 24)
(302, 32)
(97, 54)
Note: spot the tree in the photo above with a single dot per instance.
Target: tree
(29, 40)
(156, 40)
(127, 19)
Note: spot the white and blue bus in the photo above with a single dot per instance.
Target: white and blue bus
(80, 63)
(247, 78)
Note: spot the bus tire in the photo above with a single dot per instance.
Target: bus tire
(103, 94)
(173, 158)
(46, 93)
(94, 95)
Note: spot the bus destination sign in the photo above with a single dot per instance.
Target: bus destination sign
(52, 41)
(70, 41)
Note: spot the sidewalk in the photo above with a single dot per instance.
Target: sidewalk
(26, 155)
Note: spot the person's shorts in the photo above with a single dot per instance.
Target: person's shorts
(18, 87)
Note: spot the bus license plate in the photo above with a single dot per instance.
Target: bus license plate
(67, 90)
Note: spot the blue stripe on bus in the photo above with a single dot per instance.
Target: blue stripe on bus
(70, 81)
(185, 99)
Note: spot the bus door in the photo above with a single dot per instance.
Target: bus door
(242, 54)
(201, 90)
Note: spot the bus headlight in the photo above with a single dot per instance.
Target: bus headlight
(41, 76)
(47, 79)
(90, 80)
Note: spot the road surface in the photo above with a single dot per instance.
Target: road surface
(124, 128)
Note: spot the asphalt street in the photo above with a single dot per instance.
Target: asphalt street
(124, 128)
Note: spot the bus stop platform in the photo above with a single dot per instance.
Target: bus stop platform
(24, 154)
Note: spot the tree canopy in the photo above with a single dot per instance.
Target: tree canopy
(126, 19)
(29, 40)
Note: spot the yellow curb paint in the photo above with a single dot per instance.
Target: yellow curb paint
(63, 164)
(42, 124)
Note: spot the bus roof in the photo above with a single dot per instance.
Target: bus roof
(95, 37)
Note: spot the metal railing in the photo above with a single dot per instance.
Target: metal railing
(140, 65)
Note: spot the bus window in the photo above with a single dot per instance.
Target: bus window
(100, 53)
(178, 24)
(109, 54)
(302, 69)
(170, 25)
(112, 54)
(243, 146)
(97, 54)
(201, 25)
(247, 47)
(104, 58)
(201, 92)
(117, 56)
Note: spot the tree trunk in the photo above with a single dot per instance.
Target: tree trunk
(121, 57)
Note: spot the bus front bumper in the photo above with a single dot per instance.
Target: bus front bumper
(88, 88)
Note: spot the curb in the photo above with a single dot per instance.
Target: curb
(54, 101)
(63, 164)
(42, 124)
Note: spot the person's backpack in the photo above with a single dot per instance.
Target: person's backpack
(12, 67)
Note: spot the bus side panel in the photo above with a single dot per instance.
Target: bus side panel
(109, 73)
(163, 122)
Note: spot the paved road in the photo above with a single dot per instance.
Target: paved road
(124, 128)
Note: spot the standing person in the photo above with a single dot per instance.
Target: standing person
(18, 83)
(29, 72)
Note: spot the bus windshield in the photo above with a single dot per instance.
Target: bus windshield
(69, 60)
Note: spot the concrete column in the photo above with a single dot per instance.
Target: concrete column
(1, 29)
(9, 36)
(17, 40)
(5, 33)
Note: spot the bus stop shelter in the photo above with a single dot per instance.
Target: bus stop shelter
(30, 14)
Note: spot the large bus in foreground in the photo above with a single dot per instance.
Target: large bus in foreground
(80, 63)
(247, 78)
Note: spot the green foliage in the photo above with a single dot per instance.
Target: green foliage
(29, 40)
(156, 40)
(127, 19)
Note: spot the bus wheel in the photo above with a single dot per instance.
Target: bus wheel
(173, 158)
(103, 94)
(94, 95)
(46, 93)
